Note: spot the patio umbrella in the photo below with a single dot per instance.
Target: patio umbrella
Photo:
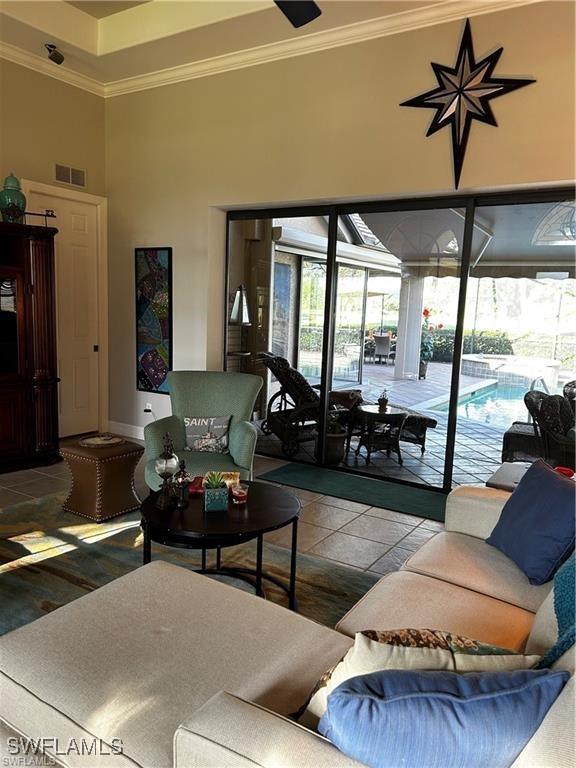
(383, 295)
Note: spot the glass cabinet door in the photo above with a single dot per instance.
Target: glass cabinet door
(10, 318)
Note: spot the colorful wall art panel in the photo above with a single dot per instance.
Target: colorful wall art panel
(153, 268)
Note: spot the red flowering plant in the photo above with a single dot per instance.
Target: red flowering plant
(427, 337)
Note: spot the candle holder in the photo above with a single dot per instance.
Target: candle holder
(180, 482)
(165, 467)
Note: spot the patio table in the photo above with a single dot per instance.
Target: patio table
(413, 431)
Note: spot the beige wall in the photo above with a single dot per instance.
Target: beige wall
(317, 127)
(322, 126)
(44, 121)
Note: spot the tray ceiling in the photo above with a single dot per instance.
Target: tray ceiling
(112, 48)
(99, 9)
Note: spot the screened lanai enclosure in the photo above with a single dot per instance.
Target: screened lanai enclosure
(400, 340)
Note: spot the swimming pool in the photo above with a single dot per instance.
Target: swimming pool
(497, 406)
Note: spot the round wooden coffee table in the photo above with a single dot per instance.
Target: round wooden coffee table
(267, 509)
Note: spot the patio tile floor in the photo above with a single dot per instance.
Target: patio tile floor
(477, 447)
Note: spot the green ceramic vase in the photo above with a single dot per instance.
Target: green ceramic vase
(12, 201)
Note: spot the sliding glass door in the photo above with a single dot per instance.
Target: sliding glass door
(397, 340)
(404, 290)
(349, 325)
(279, 264)
(519, 333)
(311, 313)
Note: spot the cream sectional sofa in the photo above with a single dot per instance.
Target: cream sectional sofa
(191, 673)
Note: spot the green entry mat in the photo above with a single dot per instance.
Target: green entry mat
(376, 493)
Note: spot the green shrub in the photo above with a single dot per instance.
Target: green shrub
(311, 337)
(483, 342)
(443, 346)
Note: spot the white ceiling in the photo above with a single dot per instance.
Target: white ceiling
(101, 8)
(530, 237)
(118, 47)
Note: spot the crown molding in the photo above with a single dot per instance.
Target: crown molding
(405, 21)
(45, 67)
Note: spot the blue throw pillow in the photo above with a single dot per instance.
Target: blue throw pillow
(536, 527)
(439, 719)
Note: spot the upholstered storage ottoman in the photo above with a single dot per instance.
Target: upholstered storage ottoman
(134, 659)
(102, 479)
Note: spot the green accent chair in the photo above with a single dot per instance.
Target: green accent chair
(202, 394)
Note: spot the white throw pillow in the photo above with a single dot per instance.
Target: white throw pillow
(423, 649)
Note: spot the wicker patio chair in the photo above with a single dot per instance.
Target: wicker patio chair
(522, 441)
(383, 437)
(533, 401)
(556, 424)
(569, 392)
(293, 412)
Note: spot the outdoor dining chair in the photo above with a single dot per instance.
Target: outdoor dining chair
(383, 347)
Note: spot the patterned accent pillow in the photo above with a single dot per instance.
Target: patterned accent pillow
(422, 649)
(207, 434)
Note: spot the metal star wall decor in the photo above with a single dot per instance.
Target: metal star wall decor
(464, 95)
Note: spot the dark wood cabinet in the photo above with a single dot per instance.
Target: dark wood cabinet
(28, 362)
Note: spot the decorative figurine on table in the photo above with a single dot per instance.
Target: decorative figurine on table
(180, 482)
(165, 467)
(383, 401)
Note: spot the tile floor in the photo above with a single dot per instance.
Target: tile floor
(357, 535)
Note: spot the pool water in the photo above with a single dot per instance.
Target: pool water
(496, 406)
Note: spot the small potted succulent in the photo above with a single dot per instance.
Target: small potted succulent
(383, 401)
(215, 492)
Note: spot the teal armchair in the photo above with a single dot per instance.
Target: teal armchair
(202, 394)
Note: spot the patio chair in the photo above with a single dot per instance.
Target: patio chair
(569, 392)
(383, 347)
(522, 441)
(202, 394)
(383, 437)
(369, 350)
(293, 412)
(556, 423)
(533, 401)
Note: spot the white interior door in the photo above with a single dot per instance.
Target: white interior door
(76, 248)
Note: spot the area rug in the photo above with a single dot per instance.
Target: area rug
(377, 493)
(49, 557)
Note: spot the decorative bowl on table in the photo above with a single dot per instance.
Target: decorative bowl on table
(103, 440)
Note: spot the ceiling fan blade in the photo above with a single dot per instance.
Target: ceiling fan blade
(299, 12)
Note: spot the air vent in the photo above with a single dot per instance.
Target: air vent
(66, 175)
